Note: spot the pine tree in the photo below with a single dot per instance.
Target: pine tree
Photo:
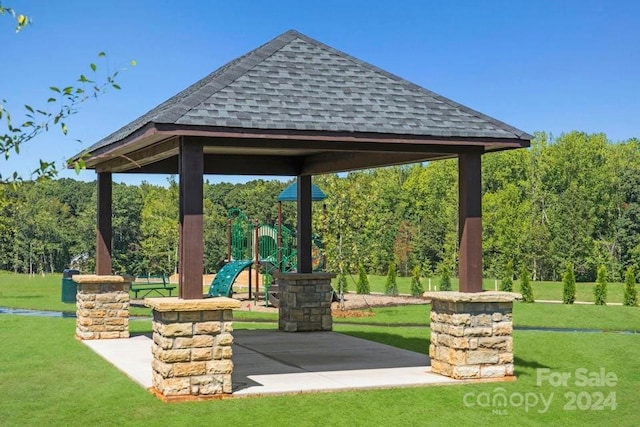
(445, 280)
(416, 286)
(525, 286)
(630, 291)
(506, 284)
(391, 287)
(600, 290)
(362, 287)
(569, 285)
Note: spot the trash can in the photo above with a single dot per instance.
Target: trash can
(69, 287)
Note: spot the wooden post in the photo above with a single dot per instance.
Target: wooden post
(104, 231)
(470, 220)
(191, 161)
(304, 224)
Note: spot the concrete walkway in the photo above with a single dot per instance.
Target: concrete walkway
(274, 362)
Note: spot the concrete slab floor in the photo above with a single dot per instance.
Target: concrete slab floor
(274, 362)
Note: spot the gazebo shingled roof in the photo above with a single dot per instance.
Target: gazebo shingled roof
(297, 107)
(295, 90)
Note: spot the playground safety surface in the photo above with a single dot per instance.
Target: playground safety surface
(274, 362)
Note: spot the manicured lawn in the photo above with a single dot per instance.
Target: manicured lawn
(21, 291)
(44, 293)
(49, 378)
(541, 290)
(40, 293)
(616, 318)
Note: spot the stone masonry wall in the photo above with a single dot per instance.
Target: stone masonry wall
(305, 302)
(192, 347)
(102, 307)
(471, 339)
(192, 352)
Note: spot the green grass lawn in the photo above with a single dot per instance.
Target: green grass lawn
(43, 293)
(49, 378)
(541, 290)
(613, 318)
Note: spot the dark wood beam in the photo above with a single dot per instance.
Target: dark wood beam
(232, 164)
(470, 221)
(320, 145)
(343, 136)
(191, 245)
(153, 133)
(215, 164)
(139, 158)
(104, 232)
(165, 166)
(347, 161)
(304, 224)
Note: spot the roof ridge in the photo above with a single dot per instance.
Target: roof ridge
(226, 74)
(155, 114)
(417, 110)
(517, 132)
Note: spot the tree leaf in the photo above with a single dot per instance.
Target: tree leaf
(93, 67)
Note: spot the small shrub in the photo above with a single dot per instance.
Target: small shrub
(390, 286)
(416, 286)
(525, 286)
(600, 290)
(445, 280)
(569, 285)
(362, 287)
(506, 284)
(630, 291)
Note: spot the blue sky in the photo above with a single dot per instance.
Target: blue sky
(539, 65)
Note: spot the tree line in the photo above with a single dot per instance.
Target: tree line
(575, 198)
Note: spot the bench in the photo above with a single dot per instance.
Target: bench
(151, 283)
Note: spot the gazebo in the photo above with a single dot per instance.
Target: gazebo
(297, 107)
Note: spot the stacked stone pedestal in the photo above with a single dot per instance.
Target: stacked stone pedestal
(102, 307)
(192, 347)
(305, 301)
(471, 334)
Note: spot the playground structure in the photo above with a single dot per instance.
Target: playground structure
(263, 248)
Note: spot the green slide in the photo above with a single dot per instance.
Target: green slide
(223, 282)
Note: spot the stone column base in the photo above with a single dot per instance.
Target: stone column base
(192, 347)
(305, 301)
(102, 306)
(471, 334)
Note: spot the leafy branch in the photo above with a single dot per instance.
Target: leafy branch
(62, 103)
(21, 20)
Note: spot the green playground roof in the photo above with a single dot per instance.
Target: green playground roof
(290, 194)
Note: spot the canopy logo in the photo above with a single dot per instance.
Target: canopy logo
(500, 401)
